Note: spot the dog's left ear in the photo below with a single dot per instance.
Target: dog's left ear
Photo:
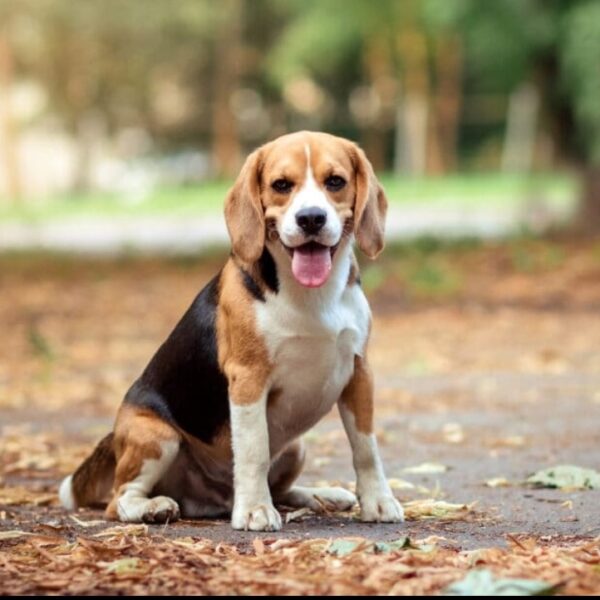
(243, 211)
(370, 206)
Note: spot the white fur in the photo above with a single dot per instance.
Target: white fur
(253, 508)
(377, 502)
(65, 493)
(312, 336)
(319, 499)
(310, 195)
(133, 504)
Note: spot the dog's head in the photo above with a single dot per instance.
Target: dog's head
(309, 192)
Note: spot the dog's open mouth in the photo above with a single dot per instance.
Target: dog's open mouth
(311, 263)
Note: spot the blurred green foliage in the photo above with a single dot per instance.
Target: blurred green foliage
(555, 43)
(153, 79)
(108, 55)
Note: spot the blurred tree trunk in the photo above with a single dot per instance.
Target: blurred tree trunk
(589, 210)
(71, 56)
(84, 134)
(226, 145)
(8, 136)
(378, 68)
(448, 98)
(521, 128)
(412, 48)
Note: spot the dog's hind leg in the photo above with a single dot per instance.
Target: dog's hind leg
(284, 472)
(145, 448)
(93, 479)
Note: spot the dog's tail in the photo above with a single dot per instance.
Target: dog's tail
(93, 479)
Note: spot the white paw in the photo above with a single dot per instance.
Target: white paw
(381, 509)
(333, 499)
(261, 517)
(160, 509)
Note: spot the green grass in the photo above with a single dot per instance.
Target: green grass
(557, 189)
(172, 201)
(480, 188)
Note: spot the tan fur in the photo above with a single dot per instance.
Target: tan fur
(244, 213)
(137, 437)
(243, 355)
(286, 469)
(371, 207)
(93, 479)
(219, 450)
(358, 395)
(286, 159)
(252, 206)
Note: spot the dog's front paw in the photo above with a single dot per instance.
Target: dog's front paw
(381, 509)
(260, 517)
(160, 509)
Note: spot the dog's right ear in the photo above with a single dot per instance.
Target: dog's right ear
(244, 214)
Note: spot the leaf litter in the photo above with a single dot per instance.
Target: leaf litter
(133, 562)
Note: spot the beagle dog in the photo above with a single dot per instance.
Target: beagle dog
(279, 336)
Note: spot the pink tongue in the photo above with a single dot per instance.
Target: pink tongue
(311, 265)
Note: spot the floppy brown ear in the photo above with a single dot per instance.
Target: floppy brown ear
(370, 207)
(244, 214)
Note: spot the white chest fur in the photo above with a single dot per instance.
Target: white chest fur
(312, 337)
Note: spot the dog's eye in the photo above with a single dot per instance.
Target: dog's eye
(334, 183)
(283, 186)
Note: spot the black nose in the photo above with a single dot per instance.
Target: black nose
(311, 220)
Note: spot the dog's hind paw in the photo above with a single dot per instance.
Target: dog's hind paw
(160, 509)
(319, 499)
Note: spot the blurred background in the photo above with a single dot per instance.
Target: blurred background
(481, 118)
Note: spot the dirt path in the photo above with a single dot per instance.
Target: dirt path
(499, 384)
(525, 423)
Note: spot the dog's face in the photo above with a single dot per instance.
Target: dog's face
(309, 192)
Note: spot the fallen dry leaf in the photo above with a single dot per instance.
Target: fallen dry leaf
(495, 482)
(426, 469)
(122, 530)
(297, 515)
(436, 509)
(453, 433)
(400, 484)
(14, 533)
(86, 524)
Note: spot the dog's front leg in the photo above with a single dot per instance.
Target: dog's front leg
(377, 503)
(252, 507)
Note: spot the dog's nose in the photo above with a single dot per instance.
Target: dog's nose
(311, 220)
